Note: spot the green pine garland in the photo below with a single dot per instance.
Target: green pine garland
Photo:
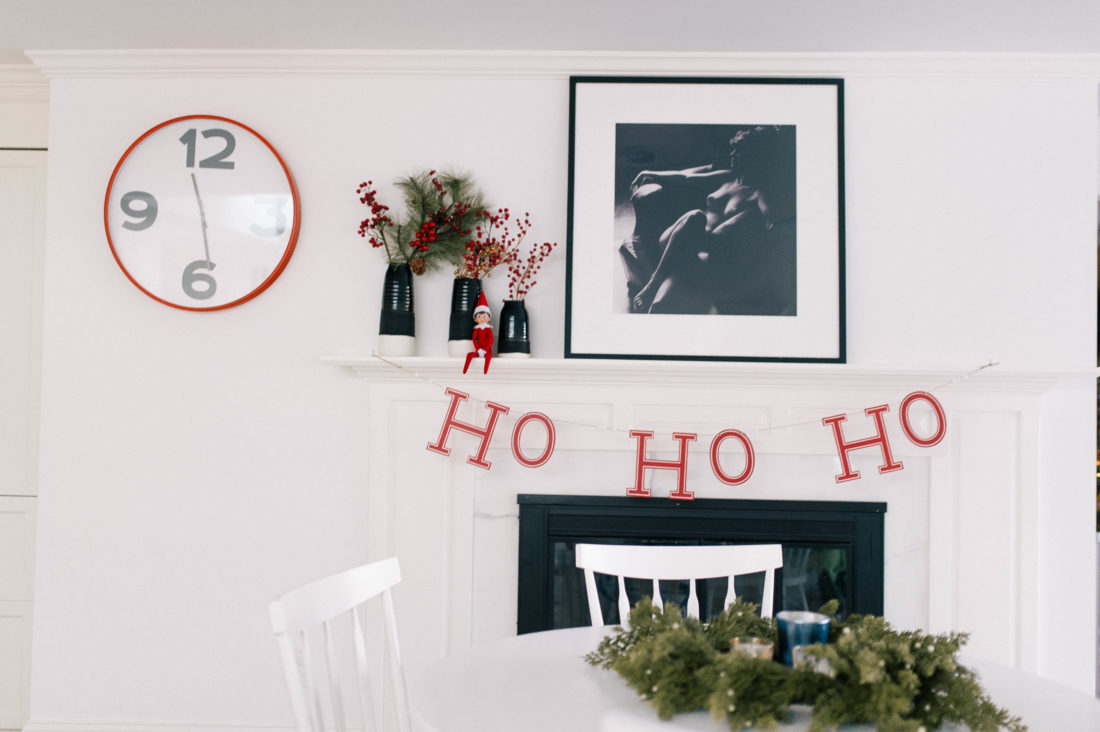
(897, 681)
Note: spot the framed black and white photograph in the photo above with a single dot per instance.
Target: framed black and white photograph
(706, 219)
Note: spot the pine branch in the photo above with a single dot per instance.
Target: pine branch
(439, 210)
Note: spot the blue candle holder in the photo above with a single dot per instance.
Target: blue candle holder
(799, 628)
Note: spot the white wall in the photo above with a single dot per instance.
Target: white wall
(194, 466)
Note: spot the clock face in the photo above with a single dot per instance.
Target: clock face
(201, 213)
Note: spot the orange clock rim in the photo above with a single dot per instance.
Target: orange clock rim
(291, 244)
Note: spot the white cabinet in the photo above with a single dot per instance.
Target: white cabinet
(17, 520)
(22, 217)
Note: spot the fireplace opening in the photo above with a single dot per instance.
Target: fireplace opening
(831, 550)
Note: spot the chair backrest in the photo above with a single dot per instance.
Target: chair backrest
(312, 616)
(692, 563)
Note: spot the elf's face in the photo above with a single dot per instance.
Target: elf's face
(481, 318)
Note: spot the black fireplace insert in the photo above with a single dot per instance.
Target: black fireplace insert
(831, 550)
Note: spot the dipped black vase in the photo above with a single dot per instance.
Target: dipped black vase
(460, 335)
(513, 339)
(397, 322)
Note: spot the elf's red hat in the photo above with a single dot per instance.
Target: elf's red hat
(482, 305)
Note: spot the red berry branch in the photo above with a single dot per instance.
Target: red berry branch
(495, 240)
(522, 271)
(378, 219)
(498, 239)
(439, 214)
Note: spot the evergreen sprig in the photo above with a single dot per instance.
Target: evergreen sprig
(440, 210)
(896, 681)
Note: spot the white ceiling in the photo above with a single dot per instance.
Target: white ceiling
(1048, 26)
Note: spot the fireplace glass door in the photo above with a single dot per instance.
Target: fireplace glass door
(831, 550)
(810, 577)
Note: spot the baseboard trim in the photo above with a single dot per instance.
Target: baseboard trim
(145, 726)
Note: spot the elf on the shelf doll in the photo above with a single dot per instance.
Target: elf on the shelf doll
(483, 335)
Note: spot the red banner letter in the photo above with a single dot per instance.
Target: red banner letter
(750, 457)
(679, 465)
(941, 430)
(880, 439)
(550, 438)
(485, 434)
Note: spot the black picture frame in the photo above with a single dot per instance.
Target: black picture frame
(706, 219)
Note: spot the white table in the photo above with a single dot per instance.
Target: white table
(540, 683)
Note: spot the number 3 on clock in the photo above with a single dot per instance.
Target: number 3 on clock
(200, 193)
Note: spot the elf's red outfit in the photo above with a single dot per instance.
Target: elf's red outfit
(483, 336)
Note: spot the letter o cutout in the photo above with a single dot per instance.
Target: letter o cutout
(941, 430)
(750, 457)
(551, 438)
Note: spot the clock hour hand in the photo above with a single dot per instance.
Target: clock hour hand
(202, 217)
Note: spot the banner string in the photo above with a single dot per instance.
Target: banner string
(753, 431)
(894, 404)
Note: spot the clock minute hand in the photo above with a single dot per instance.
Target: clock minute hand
(202, 217)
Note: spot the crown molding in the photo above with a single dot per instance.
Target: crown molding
(553, 64)
(23, 83)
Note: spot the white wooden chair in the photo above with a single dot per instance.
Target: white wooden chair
(692, 563)
(313, 615)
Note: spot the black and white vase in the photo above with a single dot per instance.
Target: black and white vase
(397, 323)
(514, 339)
(460, 335)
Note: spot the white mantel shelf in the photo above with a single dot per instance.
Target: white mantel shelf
(701, 373)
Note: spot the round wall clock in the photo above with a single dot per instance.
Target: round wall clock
(202, 213)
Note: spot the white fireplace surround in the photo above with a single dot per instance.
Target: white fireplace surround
(963, 519)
